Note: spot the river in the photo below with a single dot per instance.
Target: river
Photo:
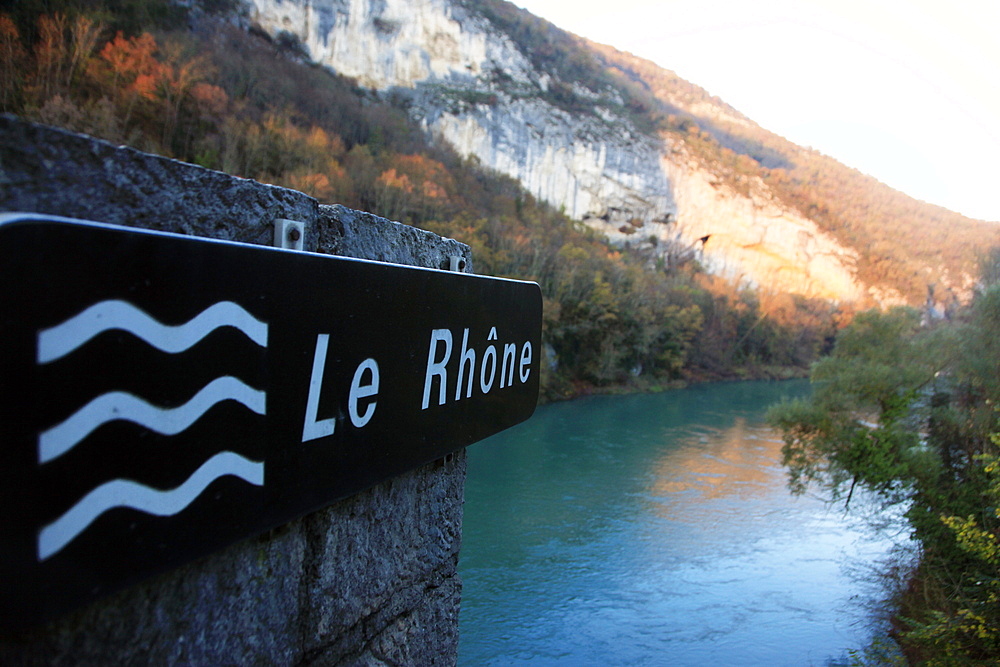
(657, 530)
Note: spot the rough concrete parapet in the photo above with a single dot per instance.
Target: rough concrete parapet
(46, 170)
(370, 580)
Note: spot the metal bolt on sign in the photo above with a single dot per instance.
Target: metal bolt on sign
(289, 234)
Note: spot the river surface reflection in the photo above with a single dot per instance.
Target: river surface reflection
(655, 530)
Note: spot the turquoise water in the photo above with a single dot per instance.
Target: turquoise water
(656, 530)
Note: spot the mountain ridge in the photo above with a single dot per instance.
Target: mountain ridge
(495, 82)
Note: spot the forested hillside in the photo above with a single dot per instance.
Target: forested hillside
(197, 84)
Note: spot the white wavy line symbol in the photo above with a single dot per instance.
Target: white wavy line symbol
(120, 405)
(127, 493)
(62, 339)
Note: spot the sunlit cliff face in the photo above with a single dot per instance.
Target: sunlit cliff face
(470, 85)
(755, 240)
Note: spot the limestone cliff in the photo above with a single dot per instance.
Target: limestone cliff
(745, 236)
(471, 85)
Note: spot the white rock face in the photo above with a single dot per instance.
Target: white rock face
(390, 43)
(471, 86)
(572, 164)
(753, 240)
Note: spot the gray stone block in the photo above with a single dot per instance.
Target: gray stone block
(345, 231)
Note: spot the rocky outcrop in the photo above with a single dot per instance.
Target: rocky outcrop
(394, 43)
(745, 236)
(750, 238)
(573, 164)
(470, 85)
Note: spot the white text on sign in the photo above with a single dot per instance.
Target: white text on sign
(489, 363)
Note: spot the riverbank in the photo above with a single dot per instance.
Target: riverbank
(647, 385)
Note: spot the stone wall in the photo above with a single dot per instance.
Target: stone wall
(370, 580)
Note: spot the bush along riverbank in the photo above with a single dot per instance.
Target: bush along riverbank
(643, 385)
(909, 410)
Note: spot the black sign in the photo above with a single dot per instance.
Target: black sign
(164, 396)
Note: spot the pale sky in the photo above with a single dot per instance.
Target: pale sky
(907, 91)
